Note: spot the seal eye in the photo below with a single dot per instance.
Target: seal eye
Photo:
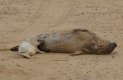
(39, 40)
(100, 43)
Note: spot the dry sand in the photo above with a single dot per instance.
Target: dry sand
(21, 18)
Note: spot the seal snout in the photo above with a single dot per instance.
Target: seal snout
(114, 45)
(111, 47)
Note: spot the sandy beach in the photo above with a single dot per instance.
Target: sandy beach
(20, 19)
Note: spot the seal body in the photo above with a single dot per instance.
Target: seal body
(75, 41)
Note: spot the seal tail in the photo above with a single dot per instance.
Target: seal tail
(14, 48)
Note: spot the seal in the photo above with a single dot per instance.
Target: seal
(28, 47)
(76, 42)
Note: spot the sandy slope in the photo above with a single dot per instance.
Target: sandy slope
(21, 18)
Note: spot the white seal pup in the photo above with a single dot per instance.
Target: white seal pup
(28, 47)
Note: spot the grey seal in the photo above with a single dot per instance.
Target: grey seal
(76, 42)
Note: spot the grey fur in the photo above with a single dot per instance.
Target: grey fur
(76, 41)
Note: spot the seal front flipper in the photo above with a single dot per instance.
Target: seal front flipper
(41, 52)
(26, 55)
(77, 53)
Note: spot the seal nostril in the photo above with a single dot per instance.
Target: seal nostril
(111, 47)
(114, 45)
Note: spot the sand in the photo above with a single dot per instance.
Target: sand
(20, 19)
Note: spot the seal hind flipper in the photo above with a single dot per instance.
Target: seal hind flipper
(14, 48)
